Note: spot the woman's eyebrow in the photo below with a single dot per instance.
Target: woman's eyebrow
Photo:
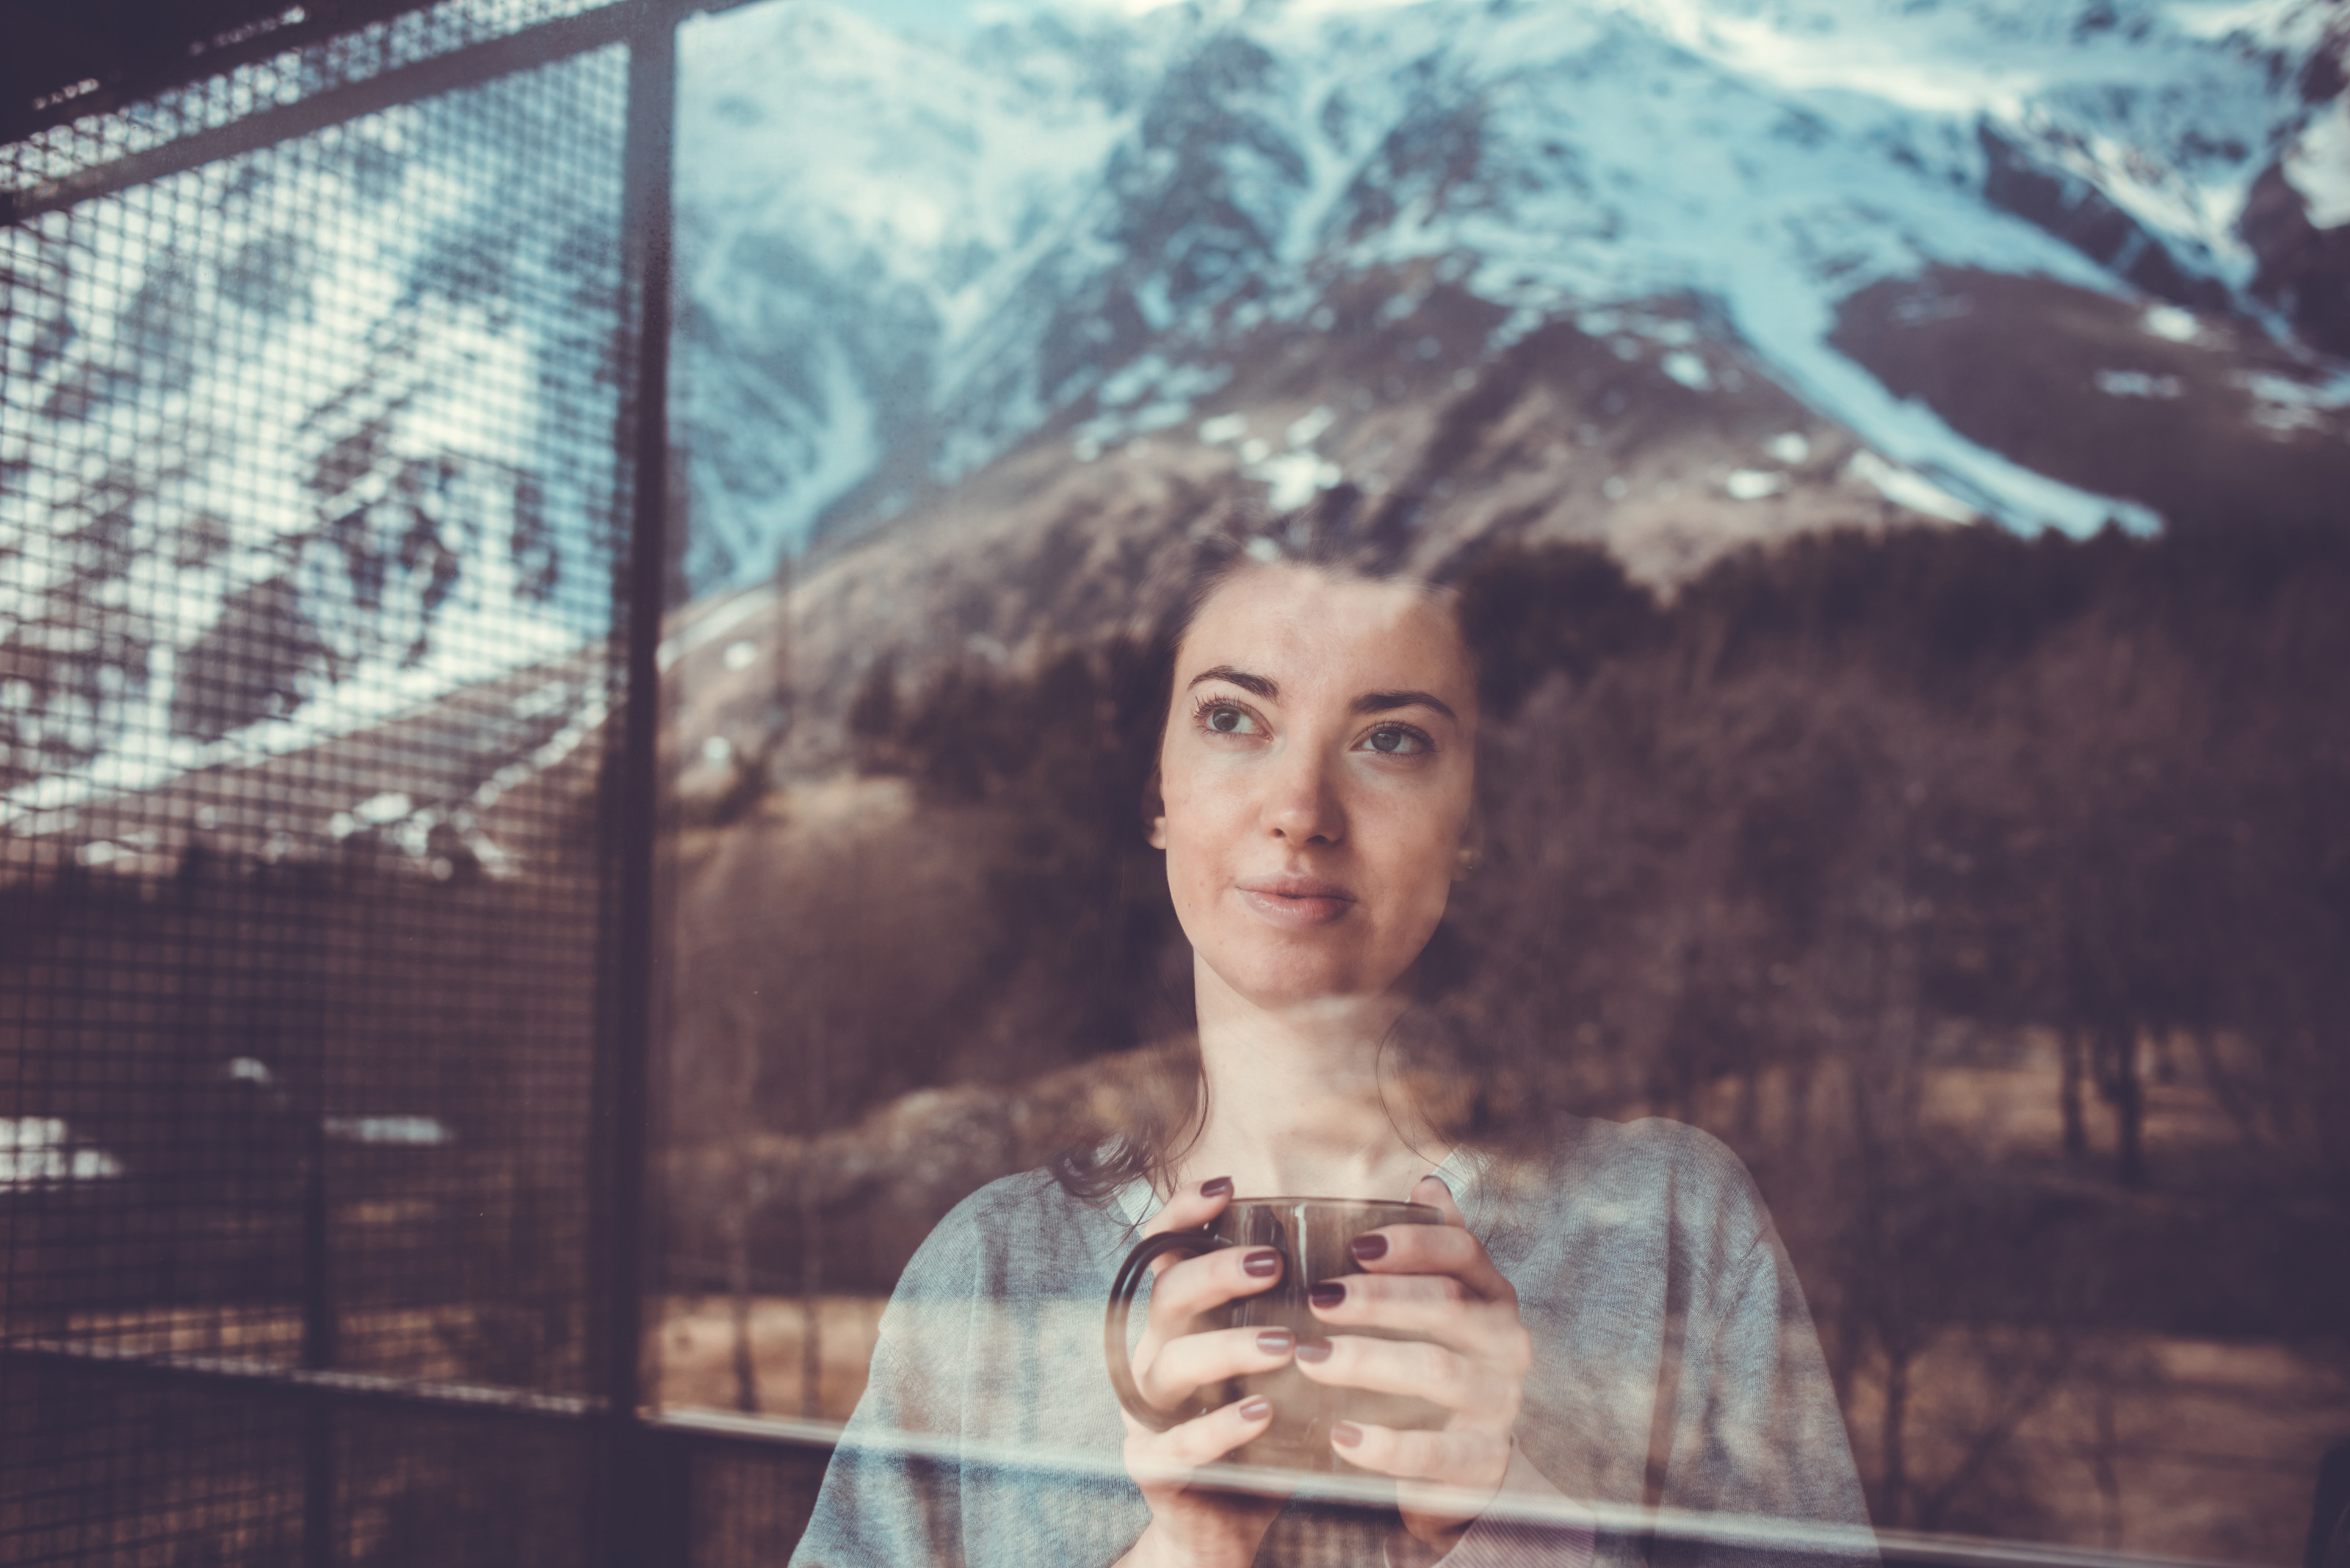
(1382, 702)
(1240, 678)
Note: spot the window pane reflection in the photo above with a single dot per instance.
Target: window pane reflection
(1898, 594)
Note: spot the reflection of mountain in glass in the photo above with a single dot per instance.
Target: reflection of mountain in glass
(1661, 276)
(348, 445)
(902, 256)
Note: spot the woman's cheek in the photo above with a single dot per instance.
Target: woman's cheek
(1426, 913)
(1424, 836)
(1194, 880)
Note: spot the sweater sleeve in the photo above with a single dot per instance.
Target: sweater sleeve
(890, 1495)
(1758, 1459)
(987, 1435)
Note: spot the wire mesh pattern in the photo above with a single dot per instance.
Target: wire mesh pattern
(276, 80)
(749, 1505)
(217, 1470)
(308, 538)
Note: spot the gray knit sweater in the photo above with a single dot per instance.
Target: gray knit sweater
(1674, 1364)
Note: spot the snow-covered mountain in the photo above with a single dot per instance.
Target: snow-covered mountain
(339, 448)
(904, 256)
(1020, 306)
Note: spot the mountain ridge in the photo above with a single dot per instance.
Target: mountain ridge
(1249, 155)
(1801, 265)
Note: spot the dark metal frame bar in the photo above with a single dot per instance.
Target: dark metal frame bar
(712, 1432)
(629, 20)
(639, 1493)
(639, 1487)
(341, 1387)
(184, 53)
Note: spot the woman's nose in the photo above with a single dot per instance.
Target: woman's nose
(1305, 806)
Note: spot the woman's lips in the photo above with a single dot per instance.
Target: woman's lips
(1297, 903)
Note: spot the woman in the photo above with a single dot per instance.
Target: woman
(1613, 1321)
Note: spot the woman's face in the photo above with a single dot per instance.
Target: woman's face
(1315, 782)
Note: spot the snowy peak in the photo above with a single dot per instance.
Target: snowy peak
(1085, 239)
(926, 254)
(1197, 199)
(294, 472)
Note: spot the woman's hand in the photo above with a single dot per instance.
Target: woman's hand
(1171, 1365)
(1468, 1353)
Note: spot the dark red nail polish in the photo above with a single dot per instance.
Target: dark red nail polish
(1346, 1434)
(1367, 1248)
(1258, 1409)
(1262, 1264)
(1275, 1340)
(1314, 1350)
(1216, 1187)
(1328, 1293)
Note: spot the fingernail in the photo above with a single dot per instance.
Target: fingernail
(1258, 1409)
(1328, 1293)
(1275, 1340)
(1346, 1434)
(1216, 1187)
(1367, 1248)
(1262, 1264)
(1314, 1350)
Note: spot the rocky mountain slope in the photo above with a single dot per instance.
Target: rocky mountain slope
(1086, 221)
(985, 328)
(296, 442)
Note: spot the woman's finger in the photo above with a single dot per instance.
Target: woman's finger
(1448, 1458)
(1172, 1455)
(1416, 1367)
(1437, 1193)
(1433, 1250)
(1192, 1207)
(1190, 1286)
(1191, 1361)
(1421, 1306)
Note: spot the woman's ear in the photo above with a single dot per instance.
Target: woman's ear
(1154, 812)
(1472, 853)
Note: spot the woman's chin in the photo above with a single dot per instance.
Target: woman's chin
(1302, 991)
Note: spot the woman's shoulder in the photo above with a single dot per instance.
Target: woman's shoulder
(1697, 1166)
(1021, 1233)
(1651, 1184)
(1022, 1199)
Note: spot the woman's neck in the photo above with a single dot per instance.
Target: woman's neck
(1296, 1103)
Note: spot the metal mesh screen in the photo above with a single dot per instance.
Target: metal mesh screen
(274, 79)
(308, 476)
(216, 1470)
(748, 1504)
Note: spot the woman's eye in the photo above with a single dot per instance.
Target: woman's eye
(1226, 720)
(1396, 742)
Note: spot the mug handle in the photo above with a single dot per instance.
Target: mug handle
(1121, 1308)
